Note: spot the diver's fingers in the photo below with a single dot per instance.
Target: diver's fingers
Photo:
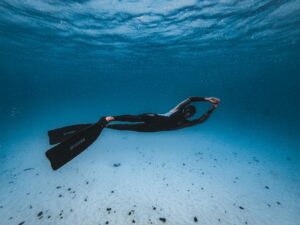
(213, 100)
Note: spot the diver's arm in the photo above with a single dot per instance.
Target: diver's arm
(186, 102)
(202, 118)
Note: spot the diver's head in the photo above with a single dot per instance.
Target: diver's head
(189, 111)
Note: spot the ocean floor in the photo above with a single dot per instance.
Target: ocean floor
(191, 176)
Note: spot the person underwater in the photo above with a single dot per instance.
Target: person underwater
(176, 118)
(74, 139)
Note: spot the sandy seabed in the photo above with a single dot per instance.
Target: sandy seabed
(191, 176)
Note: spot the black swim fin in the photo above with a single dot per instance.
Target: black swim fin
(63, 133)
(64, 152)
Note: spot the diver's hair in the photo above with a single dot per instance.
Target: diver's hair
(191, 109)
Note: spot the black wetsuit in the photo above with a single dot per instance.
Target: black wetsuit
(150, 122)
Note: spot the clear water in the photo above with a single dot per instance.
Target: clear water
(72, 62)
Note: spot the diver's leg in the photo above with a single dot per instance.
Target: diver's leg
(140, 127)
(133, 118)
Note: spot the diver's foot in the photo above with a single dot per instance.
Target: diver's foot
(109, 118)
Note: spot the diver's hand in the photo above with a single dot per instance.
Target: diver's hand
(213, 100)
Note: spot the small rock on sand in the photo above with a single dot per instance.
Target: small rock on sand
(162, 219)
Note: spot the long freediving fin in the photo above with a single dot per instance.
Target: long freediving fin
(64, 152)
(63, 133)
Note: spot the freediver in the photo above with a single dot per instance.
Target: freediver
(74, 139)
(176, 118)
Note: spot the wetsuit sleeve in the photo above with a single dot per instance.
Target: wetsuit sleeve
(186, 102)
(202, 118)
(196, 99)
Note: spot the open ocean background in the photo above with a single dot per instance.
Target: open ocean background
(69, 62)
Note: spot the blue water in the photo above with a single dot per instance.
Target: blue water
(72, 62)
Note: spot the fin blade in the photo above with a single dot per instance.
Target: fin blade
(64, 152)
(59, 135)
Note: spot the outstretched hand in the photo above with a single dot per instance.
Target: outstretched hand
(213, 100)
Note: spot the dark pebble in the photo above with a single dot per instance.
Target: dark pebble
(116, 164)
(22, 223)
(154, 208)
(241, 207)
(108, 209)
(106, 222)
(40, 213)
(58, 187)
(195, 219)
(133, 221)
(278, 203)
(267, 187)
(162, 219)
